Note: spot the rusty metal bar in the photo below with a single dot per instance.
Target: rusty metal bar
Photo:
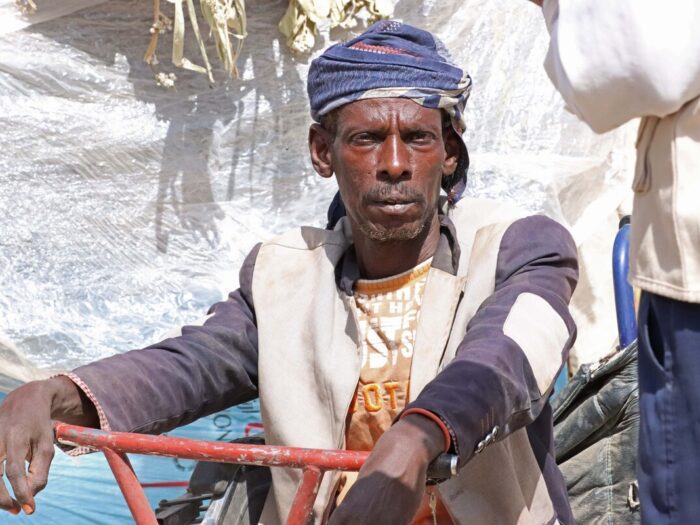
(303, 503)
(266, 455)
(314, 463)
(131, 488)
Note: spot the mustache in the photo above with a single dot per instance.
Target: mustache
(399, 192)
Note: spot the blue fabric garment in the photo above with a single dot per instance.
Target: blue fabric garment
(393, 60)
(669, 402)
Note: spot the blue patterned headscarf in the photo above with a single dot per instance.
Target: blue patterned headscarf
(396, 60)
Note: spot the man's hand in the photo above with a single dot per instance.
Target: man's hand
(391, 483)
(26, 434)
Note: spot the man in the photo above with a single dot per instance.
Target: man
(613, 62)
(404, 330)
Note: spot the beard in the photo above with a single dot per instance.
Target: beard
(403, 233)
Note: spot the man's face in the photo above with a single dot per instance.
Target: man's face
(389, 157)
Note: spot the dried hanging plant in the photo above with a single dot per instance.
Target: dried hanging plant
(26, 7)
(300, 23)
(344, 12)
(227, 25)
(227, 22)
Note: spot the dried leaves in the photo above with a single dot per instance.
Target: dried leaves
(226, 20)
(227, 26)
(26, 7)
(300, 22)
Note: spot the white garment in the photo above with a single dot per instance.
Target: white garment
(616, 60)
(613, 61)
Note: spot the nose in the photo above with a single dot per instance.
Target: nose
(394, 159)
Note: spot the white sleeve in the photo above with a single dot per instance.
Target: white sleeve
(615, 60)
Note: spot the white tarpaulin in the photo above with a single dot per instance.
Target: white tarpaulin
(127, 208)
(12, 19)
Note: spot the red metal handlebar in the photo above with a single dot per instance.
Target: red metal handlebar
(115, 446)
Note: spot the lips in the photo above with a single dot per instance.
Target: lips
(393, 202)
(390, 200)
(394, 206)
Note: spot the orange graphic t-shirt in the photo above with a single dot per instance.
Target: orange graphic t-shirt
(388, 311)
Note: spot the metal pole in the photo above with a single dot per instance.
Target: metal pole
(303, 504)
(314, 462)
(246, 454)
(624, 295)
(131, 488)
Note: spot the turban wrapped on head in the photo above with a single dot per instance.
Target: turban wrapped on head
(393, 60)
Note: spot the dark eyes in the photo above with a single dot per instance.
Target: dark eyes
(366, 138)
(420, 137)
(414, 137)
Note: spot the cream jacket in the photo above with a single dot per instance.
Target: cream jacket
(304, 403)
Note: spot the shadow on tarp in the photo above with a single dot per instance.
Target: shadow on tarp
(82, 491)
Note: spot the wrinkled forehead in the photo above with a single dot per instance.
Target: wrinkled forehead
(386, 110)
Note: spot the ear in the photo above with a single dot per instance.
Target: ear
(320, 144)
(452, 151)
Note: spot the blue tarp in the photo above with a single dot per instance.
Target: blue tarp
(82, 491)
